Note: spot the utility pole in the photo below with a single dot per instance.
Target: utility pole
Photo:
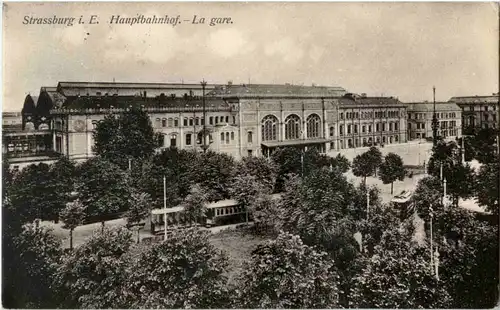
(434, 118)
(367, 204)
(165, 206)
(203, 85)
(432, 253)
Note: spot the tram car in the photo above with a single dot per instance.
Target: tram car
(219, 213)
(403, 204)
(223, 212)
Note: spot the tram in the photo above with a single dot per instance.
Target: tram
(403, 204)
(223, 212)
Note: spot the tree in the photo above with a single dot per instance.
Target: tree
(214, 174)
(444, 154)
(246, 188)
(195, 204)
(140, 208)
(185, 271)
(392, 169)
(288, 161)
(375, 158)
(264, 213)
(363, 166)
(461, 182)
(428, 195)
(341, 162)
(264, 170)
(72, 216)
(285, 273)
(128, 136)
(487, 187)
(103, 188)
(36, 256)
(31, 194)
(92, 276)
(62, 175)
(398, 276)
(468, 259)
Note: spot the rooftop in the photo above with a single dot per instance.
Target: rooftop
(284, 90)
(429, 106)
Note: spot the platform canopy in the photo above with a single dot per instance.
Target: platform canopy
(270, 144)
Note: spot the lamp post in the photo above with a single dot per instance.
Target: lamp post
(165, 206)
(203, 85)
(434, 118)
(432, 253)
(367, 204)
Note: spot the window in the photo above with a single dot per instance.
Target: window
(173, 140)
(185, 121)
(232, 135)
(249, 153)
(423, 125)
(332, 131)
(170, 122)
(227, 119)
(188, 139)
(191, 122)
(158, 123)
(363, 129)
(221, 138)
(197, 121)
(164, 122)
(227, 138)
(355, 128)
(269, 128)
(341, 115)
(341, 130)
(390, 126)
(211, 120)
(313, 125)
(292, 127)
(202, 121)
(395, 126)
(234, 119)
(349, 129)
(249, 137)
(383, 126)
(369, 128)
(176, 122)
(377, 127)
(486, 108)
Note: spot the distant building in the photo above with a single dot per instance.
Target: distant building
(240, 120)
(420, 115)
(479, 111)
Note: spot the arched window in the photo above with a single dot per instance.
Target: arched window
(250, 138)
(221, 138)
(170, 122)
(158, 123)
(191, 122)
(269, 128)
(227, 138)
(292, 127)
(197, 121)
(232, 135)
(313, 126)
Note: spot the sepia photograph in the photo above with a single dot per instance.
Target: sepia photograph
(250, 155)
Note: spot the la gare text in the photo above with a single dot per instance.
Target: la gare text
(138, 19)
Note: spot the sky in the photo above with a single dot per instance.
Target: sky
(390, 49)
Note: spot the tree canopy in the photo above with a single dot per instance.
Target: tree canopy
(285, 273)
